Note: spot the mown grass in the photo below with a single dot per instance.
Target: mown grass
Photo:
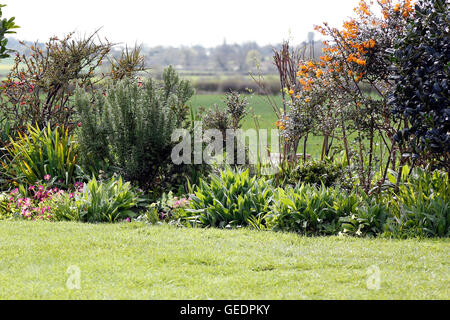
(135, 261)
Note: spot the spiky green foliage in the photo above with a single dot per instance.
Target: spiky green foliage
(421, 205)
(40, 152)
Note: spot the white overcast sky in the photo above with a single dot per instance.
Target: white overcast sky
(177, 22)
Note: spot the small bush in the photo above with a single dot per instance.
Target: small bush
(130, 129)
(39, 87)
(312, 172)
(42, 152)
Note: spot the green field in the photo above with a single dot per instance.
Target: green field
(265, 113)
(135, 261)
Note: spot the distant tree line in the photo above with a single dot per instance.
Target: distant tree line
(225, 58)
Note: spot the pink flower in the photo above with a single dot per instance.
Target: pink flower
(47, 177)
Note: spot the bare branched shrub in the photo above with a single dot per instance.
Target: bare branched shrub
(128, 65)
(40, 85)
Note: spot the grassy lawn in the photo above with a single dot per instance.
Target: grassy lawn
(134, 261)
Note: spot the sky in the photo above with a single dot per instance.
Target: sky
(177, 22)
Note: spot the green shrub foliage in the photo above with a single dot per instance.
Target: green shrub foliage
(421, 93)
(312, 172)
(129, 127)
(6, 26)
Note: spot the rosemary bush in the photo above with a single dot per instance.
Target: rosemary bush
(129, 127)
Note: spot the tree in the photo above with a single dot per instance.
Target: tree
(421, 94)
(6, 27)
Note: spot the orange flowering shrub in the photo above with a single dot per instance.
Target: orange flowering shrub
(356, 59)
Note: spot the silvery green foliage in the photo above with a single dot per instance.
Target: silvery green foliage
(130, 126)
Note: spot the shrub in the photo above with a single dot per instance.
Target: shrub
(312, 172)
(229, 118)
(42, 152)
(421, 92)
(331, 89)
(231, 199)
(130, 129)
(216, 118)
(40, 86)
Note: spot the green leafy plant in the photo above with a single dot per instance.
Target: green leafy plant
(421, 205)
(368, 219)
(42, 152)
(5, 210)
(310, 210)
(311, 172)
(6, 28)
(166, 208)
(231, 199)
(99, 201)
